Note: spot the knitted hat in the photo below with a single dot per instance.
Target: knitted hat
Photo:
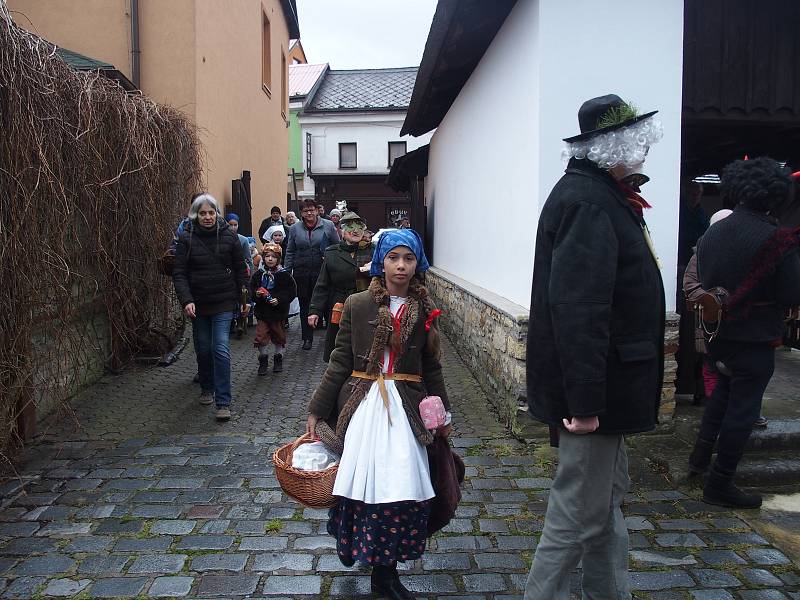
(274, 248)
(232, 216)
(335, 211)
(275, 209)
(719, 215)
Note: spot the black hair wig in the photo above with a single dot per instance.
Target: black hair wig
(760, 184)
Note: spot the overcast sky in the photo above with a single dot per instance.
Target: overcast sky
(361, 34)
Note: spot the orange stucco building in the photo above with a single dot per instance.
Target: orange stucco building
(224, 64)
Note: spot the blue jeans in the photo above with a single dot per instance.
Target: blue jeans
(211, 343)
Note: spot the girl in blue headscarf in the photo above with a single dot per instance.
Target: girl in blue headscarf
(367, 408)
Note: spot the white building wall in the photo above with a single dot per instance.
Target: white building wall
(371, 133)
(521, 100)
(488, 139)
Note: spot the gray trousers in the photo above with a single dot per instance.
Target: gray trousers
(584, 522)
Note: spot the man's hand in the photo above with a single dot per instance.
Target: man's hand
(245, 309)
(580, 425)
(189, 309)
(274, 302)
(313, 321)
(311, 425)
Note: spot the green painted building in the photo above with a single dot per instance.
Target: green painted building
(303, 80)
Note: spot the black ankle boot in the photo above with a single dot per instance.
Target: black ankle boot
(700, 457)
(263, 364)
(386, 582)
(720, 491)
(277, 364)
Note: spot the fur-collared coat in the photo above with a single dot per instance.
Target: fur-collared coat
(364, 332)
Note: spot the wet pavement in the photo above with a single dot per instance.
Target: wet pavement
(150, 497)
(781, 397)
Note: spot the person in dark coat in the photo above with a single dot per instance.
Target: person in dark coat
(308, 239)
(759, 266)
(274, 218)
(210, 281)
(595, 351)
(272, 289)
(345, 271)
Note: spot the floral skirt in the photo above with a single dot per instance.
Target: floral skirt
(379, 534)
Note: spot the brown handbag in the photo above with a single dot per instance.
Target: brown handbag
(447, 475)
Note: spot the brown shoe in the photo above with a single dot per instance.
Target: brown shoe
(206, 398)
(223, 414)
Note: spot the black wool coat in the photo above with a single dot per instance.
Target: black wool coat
(284, 290)
(596, 334)
(209, 268)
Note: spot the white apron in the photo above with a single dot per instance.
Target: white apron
(383, 463)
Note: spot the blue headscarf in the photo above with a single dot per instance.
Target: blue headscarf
(392, 239)
(232, 217)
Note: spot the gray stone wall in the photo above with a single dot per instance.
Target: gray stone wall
(84, 343)
(667, 410)
(489, 334)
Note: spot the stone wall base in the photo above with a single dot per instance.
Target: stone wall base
(489, 333)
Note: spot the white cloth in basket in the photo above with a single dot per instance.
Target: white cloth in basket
(313, 456)
(383, 463)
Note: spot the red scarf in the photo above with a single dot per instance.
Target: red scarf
(638, 204)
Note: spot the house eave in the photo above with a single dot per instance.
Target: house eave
(460, 34)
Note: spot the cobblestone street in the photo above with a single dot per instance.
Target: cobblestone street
(150, 497)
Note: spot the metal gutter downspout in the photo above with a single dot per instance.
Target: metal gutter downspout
(135, 50)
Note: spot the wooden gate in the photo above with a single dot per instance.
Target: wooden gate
(241, 204)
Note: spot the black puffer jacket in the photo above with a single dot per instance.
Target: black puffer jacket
(596, 334)
(209, 268)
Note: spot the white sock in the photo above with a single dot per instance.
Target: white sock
(279, 349)
(263, 350)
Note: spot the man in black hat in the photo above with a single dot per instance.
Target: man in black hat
(595, 346)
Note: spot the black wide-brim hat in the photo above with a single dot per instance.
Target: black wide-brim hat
(592, 111)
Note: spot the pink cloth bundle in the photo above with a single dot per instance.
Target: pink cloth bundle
(432, 412)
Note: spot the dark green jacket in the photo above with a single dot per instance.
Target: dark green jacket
(339, 277)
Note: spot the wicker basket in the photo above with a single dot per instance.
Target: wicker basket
(310, 488)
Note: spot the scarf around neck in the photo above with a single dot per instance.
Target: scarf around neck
(268, 276)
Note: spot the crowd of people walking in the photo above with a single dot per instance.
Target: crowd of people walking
(595, 354)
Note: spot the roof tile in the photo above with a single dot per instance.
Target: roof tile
(365, 89)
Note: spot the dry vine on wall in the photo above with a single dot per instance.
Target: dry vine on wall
(93, 181)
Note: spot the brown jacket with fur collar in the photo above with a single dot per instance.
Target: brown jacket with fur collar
(363, 336)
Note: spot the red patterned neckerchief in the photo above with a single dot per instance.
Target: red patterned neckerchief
(397, 324)
(638, 204)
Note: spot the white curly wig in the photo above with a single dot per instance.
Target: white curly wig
(627, 146)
